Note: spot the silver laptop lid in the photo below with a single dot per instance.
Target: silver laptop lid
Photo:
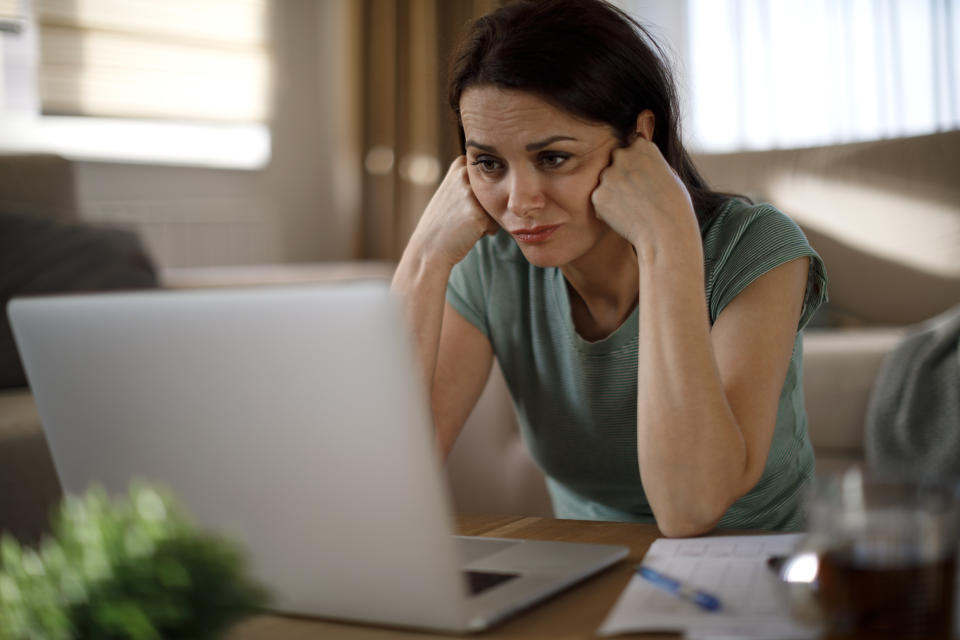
(291, 419)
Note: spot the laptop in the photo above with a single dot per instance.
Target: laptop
(293, 420)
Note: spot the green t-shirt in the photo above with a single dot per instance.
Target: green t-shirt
(576, 400)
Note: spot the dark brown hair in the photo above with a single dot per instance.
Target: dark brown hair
(588, 58)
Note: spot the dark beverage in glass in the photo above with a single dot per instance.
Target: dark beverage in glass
(864, 597)
(885, 552)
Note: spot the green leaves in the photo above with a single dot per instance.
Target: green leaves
(133, 568)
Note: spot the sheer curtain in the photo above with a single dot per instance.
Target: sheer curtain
(791, 73)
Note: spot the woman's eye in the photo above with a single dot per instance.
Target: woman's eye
(553, 160)
(486, 164)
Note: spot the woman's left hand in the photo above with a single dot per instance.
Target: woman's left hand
(643, 199)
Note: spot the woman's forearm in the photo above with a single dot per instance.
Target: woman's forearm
(420, 284)
(691, 451)
(450, 226)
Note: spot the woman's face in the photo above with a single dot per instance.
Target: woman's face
(533, 167)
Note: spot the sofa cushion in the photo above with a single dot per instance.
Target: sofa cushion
(29, 488)
(42, 255)
(839, 370)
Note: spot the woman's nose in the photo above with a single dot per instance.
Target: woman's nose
(526, 194)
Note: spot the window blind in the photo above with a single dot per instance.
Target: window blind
(10, 15)
(191, 60)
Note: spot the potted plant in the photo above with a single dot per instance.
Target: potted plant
(128, 568)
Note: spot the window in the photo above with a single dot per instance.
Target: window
(768, 73)
(170, 81)
(761, 74)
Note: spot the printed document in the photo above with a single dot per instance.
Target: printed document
(754, 601)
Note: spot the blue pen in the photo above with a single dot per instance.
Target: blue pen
(700, 598)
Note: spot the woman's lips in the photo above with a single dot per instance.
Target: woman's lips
(534, 235)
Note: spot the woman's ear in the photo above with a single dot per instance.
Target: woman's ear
(645, 124)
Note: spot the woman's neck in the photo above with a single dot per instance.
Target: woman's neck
(604, 287)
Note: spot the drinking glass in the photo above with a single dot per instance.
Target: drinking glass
(879, 560)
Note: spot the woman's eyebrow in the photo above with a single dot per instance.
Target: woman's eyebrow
(482, 147)
(536, 146)
(533, 146)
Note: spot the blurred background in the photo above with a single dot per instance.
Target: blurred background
(192, 143)
(242, 132)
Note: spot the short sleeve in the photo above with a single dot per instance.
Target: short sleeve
(745, 242)
(465, 289)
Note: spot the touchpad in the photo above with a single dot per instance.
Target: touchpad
(473, 548)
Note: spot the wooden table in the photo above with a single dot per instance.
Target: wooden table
(575, 613)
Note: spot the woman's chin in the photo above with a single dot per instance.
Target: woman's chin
(540, 256)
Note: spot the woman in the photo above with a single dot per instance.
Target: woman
(648, 327)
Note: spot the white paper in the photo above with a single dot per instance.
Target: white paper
(754, 601)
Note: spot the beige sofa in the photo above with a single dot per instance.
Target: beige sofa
(874, 298)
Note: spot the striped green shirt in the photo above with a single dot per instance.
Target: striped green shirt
(576, 400)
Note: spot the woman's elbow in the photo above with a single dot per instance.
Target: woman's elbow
(690, 518)
(676, 527)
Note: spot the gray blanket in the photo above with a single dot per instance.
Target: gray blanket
(913, 419)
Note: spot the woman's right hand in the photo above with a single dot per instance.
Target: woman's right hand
(453, 221)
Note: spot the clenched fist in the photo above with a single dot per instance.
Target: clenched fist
(454, 220)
